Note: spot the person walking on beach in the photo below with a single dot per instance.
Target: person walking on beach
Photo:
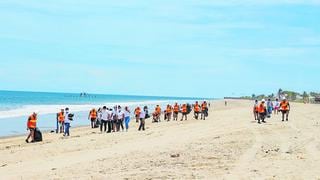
(196, 110)
(61, 117)
(204, 110)
(176, 110)
(127, 117)
(31, 126)
(269, 108)
(158, 113)
(285, 108)
(93, 117)
(67, 122)
(262, 112)
(276, 106)
(104, 119)
(256, 110)
(169, 112)
(142, 120)
(137, 114)
(184, 111)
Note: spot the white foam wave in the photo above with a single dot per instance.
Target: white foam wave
(51, 109)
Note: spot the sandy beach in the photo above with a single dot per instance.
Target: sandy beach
(228, 145)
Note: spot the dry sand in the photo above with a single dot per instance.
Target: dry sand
(228, 145)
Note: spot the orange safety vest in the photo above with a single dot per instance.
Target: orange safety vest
(184, 108)
(137, 111)
(196, 108)
(32, 122)
(176, 109)
(158, 110)
(169, 109)
(61, 117)
(93, 114)
(204, 106)
(284, 105)
(262, 108)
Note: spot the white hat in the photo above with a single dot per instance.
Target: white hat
(283, 98)
(263, 100)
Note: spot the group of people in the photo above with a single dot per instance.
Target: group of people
(117, 119)
(110, 119)
(265, 109)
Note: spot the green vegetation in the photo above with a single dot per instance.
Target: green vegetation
(290, 95)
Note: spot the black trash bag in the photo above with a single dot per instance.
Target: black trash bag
(37, 135)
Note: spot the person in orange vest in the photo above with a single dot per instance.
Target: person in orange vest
(285, 108)
(93, 117)
(137, 112)
(61, 117)
(196, 110)
(158, 113)
(256, 110)
(169, 112)
(204, 110)
(31, 126)
(176, 109)
(262, 111)
(184, 111)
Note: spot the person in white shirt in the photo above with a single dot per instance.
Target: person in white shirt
(67, 122)
(142, 120)
(110, 121)
(127, 114)
(120, 118)
(276, 106)
(104, 118)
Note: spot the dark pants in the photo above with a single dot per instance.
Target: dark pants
(103, 124)
(109, 126)
(196, 115)
(262, 117)
(142, 124)
(119, 124)
(93, 122)
(204, 114)
(285, 114)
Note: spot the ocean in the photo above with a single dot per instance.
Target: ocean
(16, 106)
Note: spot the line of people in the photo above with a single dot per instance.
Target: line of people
(263, 110)
(115, 119)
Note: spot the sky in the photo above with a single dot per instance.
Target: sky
(185, 48)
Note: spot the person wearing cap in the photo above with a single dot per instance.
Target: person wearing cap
(285, 108)
(31, 126)
(262, 112)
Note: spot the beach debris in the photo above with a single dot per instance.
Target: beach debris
(175, 155)
(4, 165)
(53, 169)
(217, 137)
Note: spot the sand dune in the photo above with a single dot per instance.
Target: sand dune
(228, 145)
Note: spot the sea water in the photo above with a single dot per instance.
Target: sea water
(16, 106)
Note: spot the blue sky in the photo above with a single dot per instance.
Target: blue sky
(171, 48)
